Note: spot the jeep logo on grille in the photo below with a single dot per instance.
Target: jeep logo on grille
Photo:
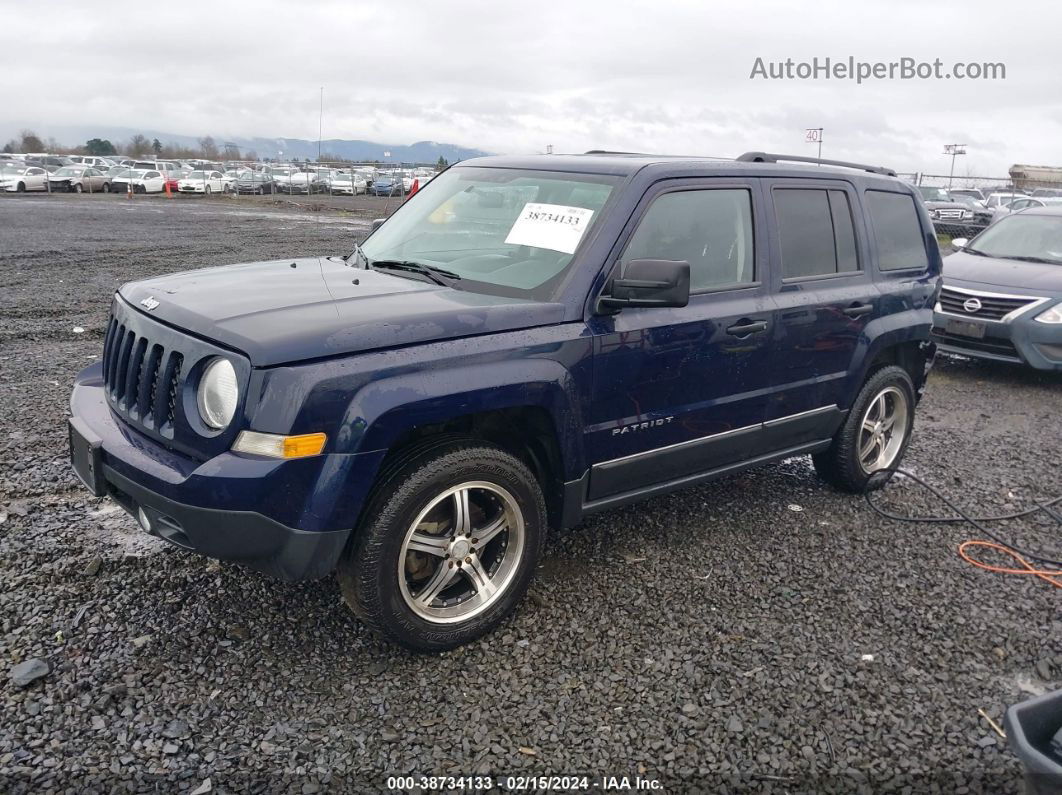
(972, 305)
(150, 303)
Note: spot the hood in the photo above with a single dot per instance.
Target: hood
(947, 206)
(292, 310)
(973, 270)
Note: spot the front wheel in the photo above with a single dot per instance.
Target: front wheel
(206, 190)
(875, 434)
(78, 188)
(448, 546)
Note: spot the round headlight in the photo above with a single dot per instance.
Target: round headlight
(218, 393)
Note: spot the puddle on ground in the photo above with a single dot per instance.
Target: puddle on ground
(112, 525)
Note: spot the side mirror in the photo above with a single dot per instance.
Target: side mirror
(959, 242)
(377, 223)
(649, 282)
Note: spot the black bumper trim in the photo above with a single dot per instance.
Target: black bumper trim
(244, 536)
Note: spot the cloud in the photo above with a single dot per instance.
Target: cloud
(506, 77)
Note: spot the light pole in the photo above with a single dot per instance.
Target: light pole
(954, 150)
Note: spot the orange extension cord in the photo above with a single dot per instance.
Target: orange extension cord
(1050, 576)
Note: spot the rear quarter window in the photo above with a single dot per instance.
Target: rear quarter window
(897, 231)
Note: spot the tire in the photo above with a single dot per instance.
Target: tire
(841, 465)
(20, 188)
(381, 578)
(206, 190)
(78, 188)
(105, 187)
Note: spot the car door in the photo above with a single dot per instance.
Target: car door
(825, 297)
(682, 391)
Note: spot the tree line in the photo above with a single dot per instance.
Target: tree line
(137, 146)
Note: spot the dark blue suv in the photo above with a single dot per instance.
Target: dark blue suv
(528, 340)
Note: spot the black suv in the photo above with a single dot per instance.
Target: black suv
(526, 341)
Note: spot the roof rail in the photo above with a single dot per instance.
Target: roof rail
(609, 152)
(768, 157)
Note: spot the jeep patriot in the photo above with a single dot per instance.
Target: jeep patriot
(526, 341)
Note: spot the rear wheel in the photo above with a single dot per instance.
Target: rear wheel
(105, 187)
(447, 548)
(875, 434)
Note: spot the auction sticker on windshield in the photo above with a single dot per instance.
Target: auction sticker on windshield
(551, 226)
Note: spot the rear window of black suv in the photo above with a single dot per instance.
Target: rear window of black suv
(897, 231)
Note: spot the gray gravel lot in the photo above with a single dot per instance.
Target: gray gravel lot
(713, 639)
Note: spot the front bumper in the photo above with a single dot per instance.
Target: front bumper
(289, 519)
(1020, 341)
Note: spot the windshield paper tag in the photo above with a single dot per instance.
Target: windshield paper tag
(551, 226)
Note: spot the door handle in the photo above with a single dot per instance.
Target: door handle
(745, 327)
(858, 310)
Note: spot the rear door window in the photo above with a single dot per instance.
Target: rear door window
(897, 231)
(815, 232)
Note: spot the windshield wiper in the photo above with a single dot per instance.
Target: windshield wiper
(969, 250)
(437, 275)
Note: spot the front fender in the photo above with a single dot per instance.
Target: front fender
(366, 402)
(387, 409)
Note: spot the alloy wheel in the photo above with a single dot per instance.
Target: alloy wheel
(461, 552)
(883, 430)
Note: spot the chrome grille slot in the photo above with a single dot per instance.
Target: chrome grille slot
(992, 307)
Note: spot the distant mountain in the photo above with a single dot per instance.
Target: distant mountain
(419, 152)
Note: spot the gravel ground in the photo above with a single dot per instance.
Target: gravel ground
(715, 639)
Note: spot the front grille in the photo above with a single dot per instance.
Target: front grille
(993, 307)
(950, 215)
(141, 378)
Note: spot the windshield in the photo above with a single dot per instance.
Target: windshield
(1036, 237)
(11, 170)
(67, 171)
(196, 175)
(934, 194)
(502, 231)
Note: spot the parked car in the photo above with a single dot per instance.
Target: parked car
(387, 185)
(101, 163)
(951, 216)
(205, 182)
(973, 193)
(304, 182)
(255, 182)
(1050, 193)
(533, 340)
(1002, 293)
(173, 178)
(347, 184)
(994, 200)
(48, 161)
(17, 179)
(142, 180)
(283, 176)
(79, 179)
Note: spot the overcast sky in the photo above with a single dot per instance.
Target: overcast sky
(667, 76)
